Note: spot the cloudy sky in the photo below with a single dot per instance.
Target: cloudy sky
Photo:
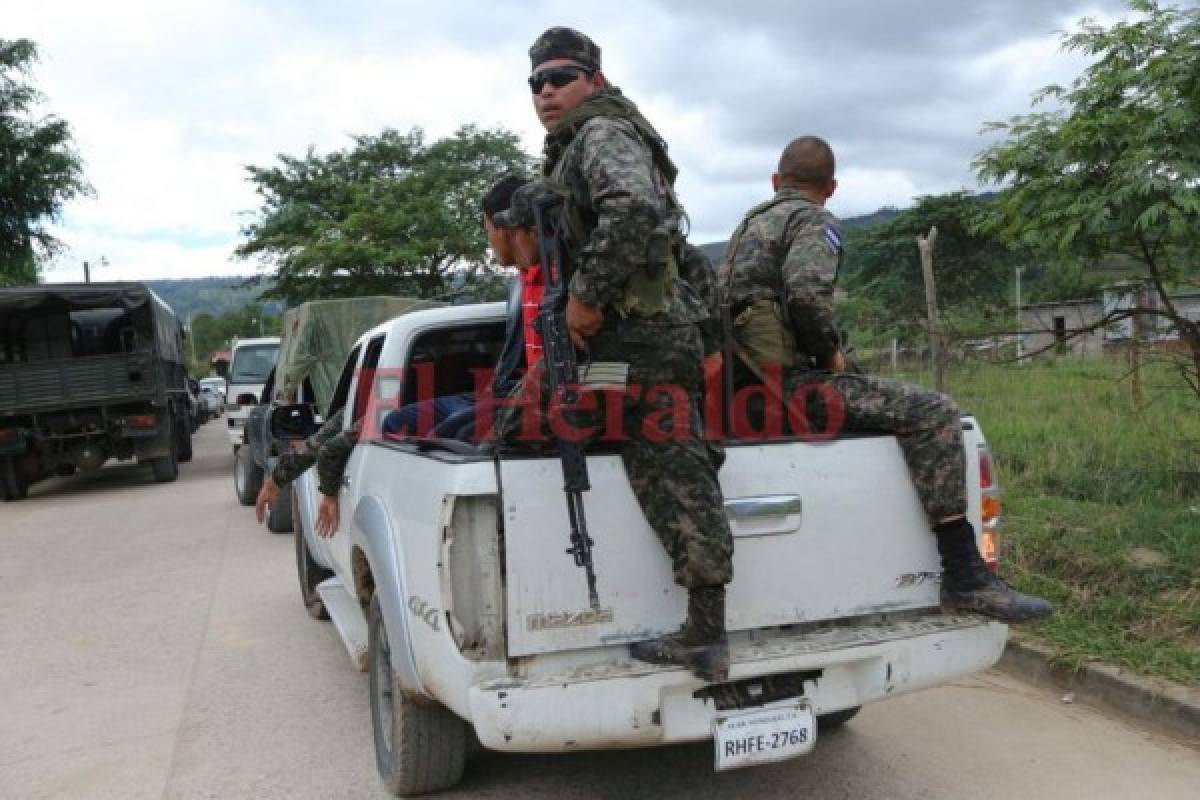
(168, 101)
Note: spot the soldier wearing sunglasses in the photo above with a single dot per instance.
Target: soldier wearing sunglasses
(623, 230)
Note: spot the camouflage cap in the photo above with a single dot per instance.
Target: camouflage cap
(520, 213)
(564, 43)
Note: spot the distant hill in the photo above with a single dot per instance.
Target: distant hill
(215, 296)
(716, 250)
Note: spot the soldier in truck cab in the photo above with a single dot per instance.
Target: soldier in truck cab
(329, 448)
(778, 279)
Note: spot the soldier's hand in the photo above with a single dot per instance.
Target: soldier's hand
(583, 320)
(327, 517)
(838, 362)
(266, 496)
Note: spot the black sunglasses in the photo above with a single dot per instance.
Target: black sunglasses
(558, 77)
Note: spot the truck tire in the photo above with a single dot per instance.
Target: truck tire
(836, 719)
(279, 513)
(247, 476)
(308, 571)
(13, 483)
(419, 747)
(166, 469)
(184, 446)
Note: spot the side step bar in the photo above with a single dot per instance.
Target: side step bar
(348, 618)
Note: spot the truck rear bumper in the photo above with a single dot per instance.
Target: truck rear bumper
(631, 704)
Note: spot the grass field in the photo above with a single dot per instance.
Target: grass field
(1101, 506)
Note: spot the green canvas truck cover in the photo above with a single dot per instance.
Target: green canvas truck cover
(22, 303)
(317, 337)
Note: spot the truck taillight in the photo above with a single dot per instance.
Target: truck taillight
(141, 421)
(989, 536)
(8, 436)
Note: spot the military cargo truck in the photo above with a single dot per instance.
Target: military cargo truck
(89, 372)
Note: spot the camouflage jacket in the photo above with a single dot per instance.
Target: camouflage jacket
(617, 196)
(788, 249)
(329, 448)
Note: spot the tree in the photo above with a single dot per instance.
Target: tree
(973, 270)
(1115, 170)
(390, 215)
(39, 168)
(210, 334)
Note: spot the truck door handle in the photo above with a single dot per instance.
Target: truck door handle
(774, 505)
(767, 515)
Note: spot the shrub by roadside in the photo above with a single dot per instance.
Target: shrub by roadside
(1101, 507)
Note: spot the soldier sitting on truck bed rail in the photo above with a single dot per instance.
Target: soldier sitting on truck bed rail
(777, 279)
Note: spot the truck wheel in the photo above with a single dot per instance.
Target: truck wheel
(279, 513)
(167, 469)
(12, 482)
(184, 446)
(418, 747)
(836, 719)
(247, 476)
(309, 571)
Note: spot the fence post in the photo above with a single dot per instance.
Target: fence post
(925, 246)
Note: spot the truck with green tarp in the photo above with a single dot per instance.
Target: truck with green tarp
(316, 337)
(89, 372)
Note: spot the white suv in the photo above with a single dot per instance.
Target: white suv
(252, 362)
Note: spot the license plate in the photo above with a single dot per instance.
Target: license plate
(760, 737)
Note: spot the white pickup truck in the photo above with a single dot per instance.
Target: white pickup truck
(447, 581)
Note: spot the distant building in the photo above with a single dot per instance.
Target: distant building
(1058, 328)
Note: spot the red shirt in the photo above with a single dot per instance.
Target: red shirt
(532, 288)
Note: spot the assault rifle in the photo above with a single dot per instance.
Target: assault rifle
(562, 379)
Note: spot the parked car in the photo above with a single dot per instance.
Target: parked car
(89, 372)
(217, 384)
(211, 402)
(447, 582)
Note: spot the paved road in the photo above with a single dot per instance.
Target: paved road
(152, 645)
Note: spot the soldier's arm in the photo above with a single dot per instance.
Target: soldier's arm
(809, 270)
(331, 461)
(619, 174)
(701, 279)
(291, 465)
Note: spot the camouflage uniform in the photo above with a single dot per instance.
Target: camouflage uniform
(329, 448)
(791, 247)
(602, 158)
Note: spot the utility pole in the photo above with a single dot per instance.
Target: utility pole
(925, 246)
(1020, 335)
(192, 335)
(87, 270)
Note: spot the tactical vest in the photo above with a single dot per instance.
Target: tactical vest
(651, 289)
(762, 328)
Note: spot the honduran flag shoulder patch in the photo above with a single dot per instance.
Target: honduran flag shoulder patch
(833, 238)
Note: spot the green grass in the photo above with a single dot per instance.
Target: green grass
(1101, 507)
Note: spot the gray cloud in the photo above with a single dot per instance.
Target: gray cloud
(169, 101)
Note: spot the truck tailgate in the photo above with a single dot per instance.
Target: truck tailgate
(821, 531)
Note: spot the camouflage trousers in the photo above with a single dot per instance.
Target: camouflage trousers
(671, 469)
(927, 425)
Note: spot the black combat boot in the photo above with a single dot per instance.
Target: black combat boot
(701, 644)
(968, 585)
